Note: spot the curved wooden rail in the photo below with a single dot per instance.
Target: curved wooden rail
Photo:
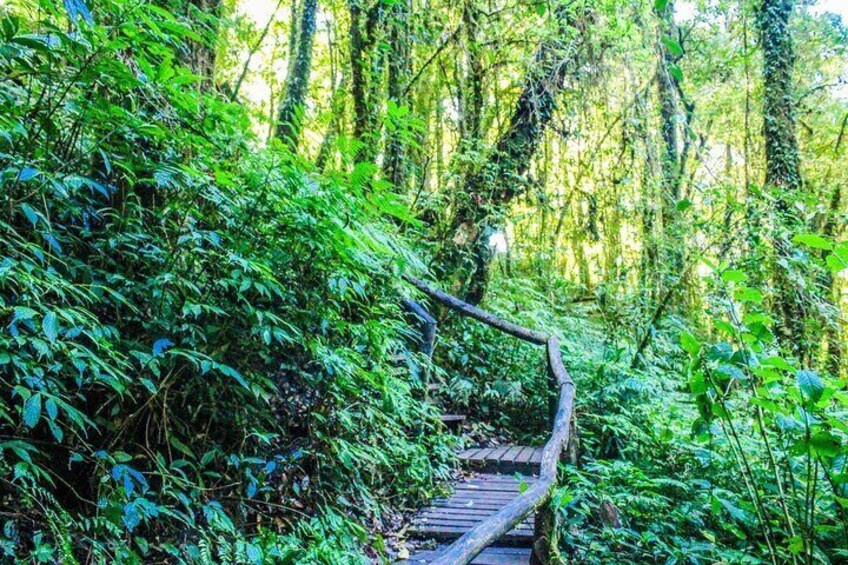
(467, 547)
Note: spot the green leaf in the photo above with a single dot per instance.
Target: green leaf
(675, 72)
(27, 173)
(734, 275)
(810, 384)
(746, 294)
(838, 260)
(835, 263)
(52, 408)
(673, 47)
(690, 343)
(32, 410)
(812, 240)
(826, 444)
(659, 5)
(776, 362)
(50, 326)
(32, 215)
(24, 313)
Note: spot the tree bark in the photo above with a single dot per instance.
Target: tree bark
(783, 174)
(400, 66)
(472, 118)
(673, 151)
(669, 111)
(200, 56)
(290, 117)
(366, 69)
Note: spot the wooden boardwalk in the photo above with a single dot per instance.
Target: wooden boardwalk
(498, 476)
(500, 514)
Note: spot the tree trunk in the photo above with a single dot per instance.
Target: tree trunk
(400, 66)
(473, 115)
(200, 55)
(290, 118)
(672, 159)
(783, 174)
(668, 114)
(490, 189)
(366, 70)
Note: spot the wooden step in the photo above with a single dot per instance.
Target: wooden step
(505, 459)
(472, 501)
(453, 421)
(489, 556)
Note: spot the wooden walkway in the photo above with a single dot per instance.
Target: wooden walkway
(478, 497)
(499, 514)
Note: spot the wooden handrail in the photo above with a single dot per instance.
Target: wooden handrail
(467, 547)
(479, 314)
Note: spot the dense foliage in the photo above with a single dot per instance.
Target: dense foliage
(194, 331)
(208, 207)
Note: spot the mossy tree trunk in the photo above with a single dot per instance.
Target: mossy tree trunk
(290, 117)
(783, 171)
(199, 56)
(488, 190)
(395, 166)
(472, 117)
(366, 61)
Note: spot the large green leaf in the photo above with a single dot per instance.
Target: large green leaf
(810, 383)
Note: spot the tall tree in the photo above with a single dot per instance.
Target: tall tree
(783, 170)
(675, 148)
(667, 46)
(473, 110)
(290, 117)
(488, 190)
(400, 66)
(366, 29)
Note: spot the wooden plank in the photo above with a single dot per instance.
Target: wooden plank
(482, 455)
(433, 512)
(504, 459)
(453, 532)
(512, 453)
(445, 517)
(478, 504)
(498, 453)
(425, 525)
(483, 486)
(500, 477)
(524, 456)
(485, 495)
(489, 556)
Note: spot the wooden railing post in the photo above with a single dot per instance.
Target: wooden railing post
(426, 326)
(544, 535)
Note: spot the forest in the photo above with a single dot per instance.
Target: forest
(275, 274)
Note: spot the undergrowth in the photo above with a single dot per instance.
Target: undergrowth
(194, 331)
